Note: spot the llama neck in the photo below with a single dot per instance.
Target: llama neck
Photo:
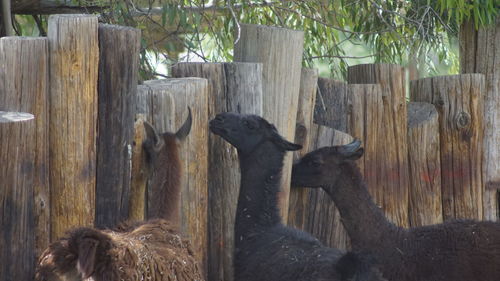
(364, 221)
(165, 186)
(260, 183)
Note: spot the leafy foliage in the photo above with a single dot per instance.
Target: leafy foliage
(395, 31)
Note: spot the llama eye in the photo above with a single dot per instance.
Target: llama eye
(248, 125)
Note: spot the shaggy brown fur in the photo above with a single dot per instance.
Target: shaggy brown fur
(462, 250)
(165, 171)
(145, 251)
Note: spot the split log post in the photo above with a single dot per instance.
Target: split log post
(425, 166)
(74, 54)
(324, 221)
(233, 87)
(280, 52)
(118, 66)
(17, 222)
(165, 105)
(137, 203)
(459, 102)
(24, 80)
(299, 197)
(331, 106)
(393, 175)
(480, 53)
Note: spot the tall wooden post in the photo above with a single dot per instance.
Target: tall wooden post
(233, 87)
(459, 102)
(24, 84)
(299, 197)
(424, 163)
(118, 67)
(17, 223)
(165, 103)
(74, 55)
(331, 104)
(393, 181)
(480, 53)
(280, 52)
(139, 173)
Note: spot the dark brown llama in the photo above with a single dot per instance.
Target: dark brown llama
(265, 249)
(462, 250)
(151, 250)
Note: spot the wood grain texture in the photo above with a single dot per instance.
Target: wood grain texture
(426, 207)
(74, 55)
(118, 67)
(324, 221)
(17, 222)
(299, 197)
(164, 104)
(24, 80)
(393, 175)
(331, 106)
(365, 112)
(480, 53)
(280, 52)
(459, 101)
(233, 87)
(139, 173)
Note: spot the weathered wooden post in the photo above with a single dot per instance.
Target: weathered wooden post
(324, 220)
(74, 54)
(280, 52)
(459, 102)
(164, 104)
(393, 181)
(299, 197)
(425, 166)
(331, 104)
(480, 53)
(24, 86)
(17, 222)
(233, 87)
(139, 174)
(118, 67)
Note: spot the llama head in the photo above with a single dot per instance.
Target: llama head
(321, 167)
(247, 132)
(157, 144)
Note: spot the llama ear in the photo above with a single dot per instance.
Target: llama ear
(153, 140)
(286, 145)
(183, 131)
(87, 248)
(351, 151)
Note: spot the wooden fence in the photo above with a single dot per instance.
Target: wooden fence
(80, 161)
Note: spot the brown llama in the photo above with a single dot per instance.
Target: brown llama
(151, 250)
(461, 250)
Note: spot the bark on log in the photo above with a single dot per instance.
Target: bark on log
(393, 175)
(324, 221)
(280, 52)
(137, 207)
(331, 107)
(425, 166)
(118, 66)
(17, 222)
(459, 102)
(480, 53)
(299, 197)
(74, 55)
(233, 87)
(24, 81)
(164, 103)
